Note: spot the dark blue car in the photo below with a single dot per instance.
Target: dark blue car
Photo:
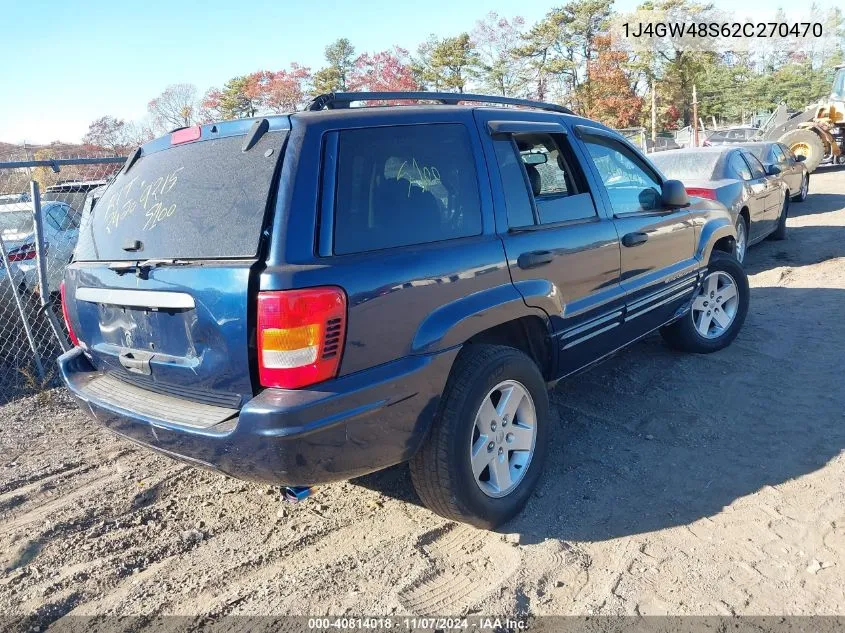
(305, 298)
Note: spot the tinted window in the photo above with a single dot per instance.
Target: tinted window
(517, 198)
(757, 170)
(404, 185)
(778, 155)
(787, 152)
(738, 168)
(193, 201)
(630, 184)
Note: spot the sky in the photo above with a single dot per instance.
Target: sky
(65, 64)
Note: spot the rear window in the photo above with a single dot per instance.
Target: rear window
(404, 185)
(203, 200)
(687, 165)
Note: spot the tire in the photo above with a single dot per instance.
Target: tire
(741, 244)
(442, 470)
(684, 333)
(805, 189)
(780, 232)
(806, 143)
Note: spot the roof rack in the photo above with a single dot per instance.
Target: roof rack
(341, 100)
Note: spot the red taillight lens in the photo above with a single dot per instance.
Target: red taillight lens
(300, 336)
(186, 135)
(710, 194)
(22, 254)
(73, 338)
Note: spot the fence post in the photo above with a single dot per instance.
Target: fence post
(41, 263)
(5, 257)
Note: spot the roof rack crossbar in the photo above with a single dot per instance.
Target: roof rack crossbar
(340, 100)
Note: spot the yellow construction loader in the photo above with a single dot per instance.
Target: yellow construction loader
(817, 133)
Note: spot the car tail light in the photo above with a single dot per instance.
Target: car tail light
(700, 192)
(186, 135)
(23, 253)
(73, 338)
(300, 336)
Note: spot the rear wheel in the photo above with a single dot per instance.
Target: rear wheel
(780, 232)
(806, 143)
(718, 309)
(741, 242)
(487, 445)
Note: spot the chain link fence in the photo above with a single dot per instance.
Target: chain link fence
(43, 206)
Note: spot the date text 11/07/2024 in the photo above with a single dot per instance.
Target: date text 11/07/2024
(477, 623)
(723, 29)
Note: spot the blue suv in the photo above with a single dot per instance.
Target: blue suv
(310, 297)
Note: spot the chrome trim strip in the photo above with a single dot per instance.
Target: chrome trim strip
(591, 335)
(687, 281)
(679, 295)
(137, 298)
(591, 324)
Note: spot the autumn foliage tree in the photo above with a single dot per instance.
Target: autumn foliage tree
(385, 71)
(608, 94)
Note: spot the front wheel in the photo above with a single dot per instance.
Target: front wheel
(487, 446)
(718, 309)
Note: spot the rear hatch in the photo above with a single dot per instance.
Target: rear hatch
(159, 291)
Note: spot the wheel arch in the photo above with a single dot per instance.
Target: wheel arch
(497, 315)
(717, 234)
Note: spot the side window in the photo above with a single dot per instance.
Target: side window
(554, 181)
(631, 185)
(739, 167)
(777, 154)
(404, 185)
(757, 170)
(790, 157)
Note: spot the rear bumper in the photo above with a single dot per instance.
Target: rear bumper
(340, 429)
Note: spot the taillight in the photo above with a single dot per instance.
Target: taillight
(300, 336)
(73, 338)
(700, 192)
(22, 254)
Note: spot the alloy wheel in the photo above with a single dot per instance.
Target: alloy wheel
(503, 438)
(714, 307)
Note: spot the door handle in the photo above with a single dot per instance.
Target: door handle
(534, 259)
(634, 239)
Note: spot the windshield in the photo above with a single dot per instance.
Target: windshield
(203, 200)
(687, 165)
(15, 222)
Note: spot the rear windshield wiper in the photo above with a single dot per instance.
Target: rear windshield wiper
(142, 268)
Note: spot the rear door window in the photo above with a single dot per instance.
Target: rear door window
(404, 185)
(739, 167)
(544, 163)
(756, 167)
(201, 200)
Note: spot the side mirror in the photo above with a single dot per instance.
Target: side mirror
(674, 195)
(773, 170)
(800, 158)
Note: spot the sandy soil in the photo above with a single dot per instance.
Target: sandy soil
(677, 484)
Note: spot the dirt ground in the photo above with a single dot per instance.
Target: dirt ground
(676, 484)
